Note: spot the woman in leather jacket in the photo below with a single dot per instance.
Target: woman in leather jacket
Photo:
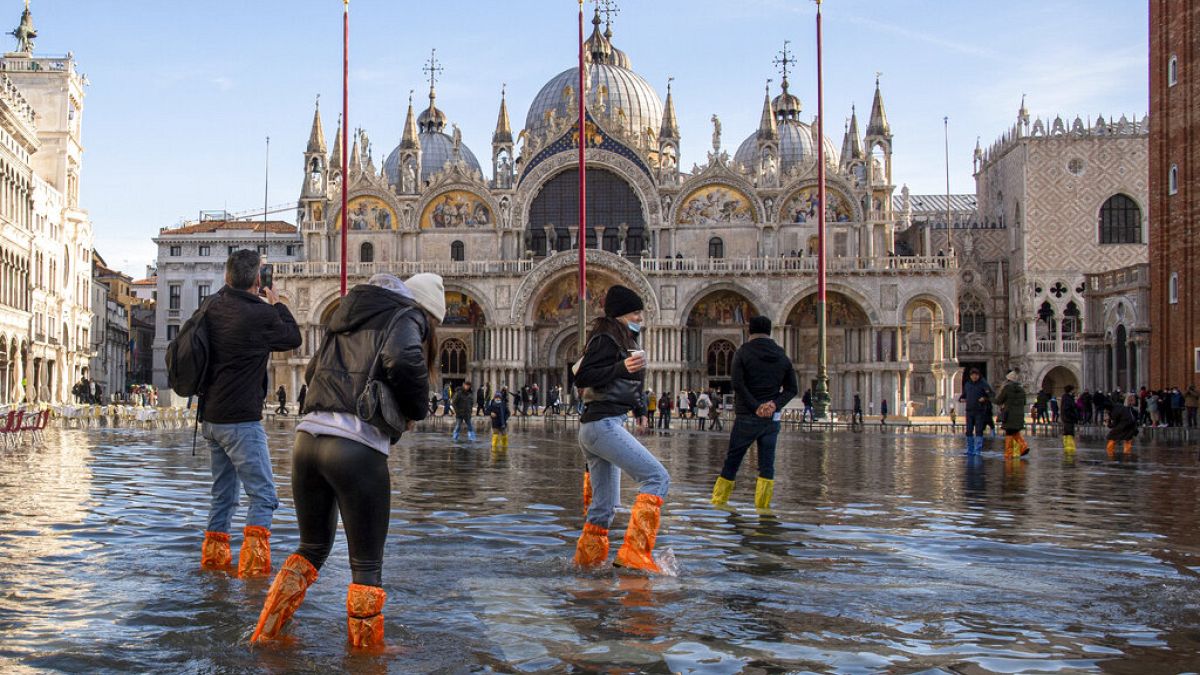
(610, 376)
(339, 462)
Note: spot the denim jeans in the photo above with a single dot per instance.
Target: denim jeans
(239, 454)
(609, 449)
(747, 430)
(976, 422)
(464, 424)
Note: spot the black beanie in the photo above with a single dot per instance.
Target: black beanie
(620, 301)
(760, 325)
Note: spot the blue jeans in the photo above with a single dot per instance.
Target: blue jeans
(239, 454)
(747, 430)
(609, 449)
(976, 422)
(464, 423)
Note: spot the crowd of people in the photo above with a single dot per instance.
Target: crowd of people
(90, 392)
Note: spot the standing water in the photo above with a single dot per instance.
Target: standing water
(883, 553)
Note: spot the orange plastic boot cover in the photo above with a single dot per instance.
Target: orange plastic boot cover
(592, 549)
(587, 492)
(1111, 447)
(215, 553)
(1127, 447)
(364, 616)
(255, 557)
(637, 551)
(285, 596)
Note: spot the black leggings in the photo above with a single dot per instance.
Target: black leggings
(331, 475)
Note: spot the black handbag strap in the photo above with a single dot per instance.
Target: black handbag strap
(378, 362)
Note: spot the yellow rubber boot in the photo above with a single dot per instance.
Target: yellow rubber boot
(587, 492)
(285, 596)
(637, 551)
(763, 491)
(364, 616)
(721, 491)
(1069, 444)
(254, 560)
(495, 441)
(592, 548)
(504, 440)
(214, 552)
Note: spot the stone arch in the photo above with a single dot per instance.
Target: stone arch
(472, 291)
(859, 299)
(335, 214)
(757, 305)
(443, 190)
(532, 183)
(1053, 377)
(613, 202)
(533, 283)
(945, 307)
(836, 187)
(758, 212)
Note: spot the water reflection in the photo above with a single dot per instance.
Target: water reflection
(883, 552)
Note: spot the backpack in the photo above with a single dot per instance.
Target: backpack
(188, 355)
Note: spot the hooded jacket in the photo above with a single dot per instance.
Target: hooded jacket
(762, 372)
(973, 391)
(337, 374)
(243, 331)
(1014, 399)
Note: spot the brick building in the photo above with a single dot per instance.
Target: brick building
(1174, 194)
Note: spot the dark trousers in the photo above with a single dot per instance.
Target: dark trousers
(332, 475)
(664, 419)
(748, 430)
(1191, 414)
(1068, 428)
(976, 422)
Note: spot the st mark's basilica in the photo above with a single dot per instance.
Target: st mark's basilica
(707, 247)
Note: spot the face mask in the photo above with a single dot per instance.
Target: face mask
(634, 326)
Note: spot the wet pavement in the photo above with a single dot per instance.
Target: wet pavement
(884, 553)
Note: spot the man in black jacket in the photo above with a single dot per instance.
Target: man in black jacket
(763, 383)
(243, 328)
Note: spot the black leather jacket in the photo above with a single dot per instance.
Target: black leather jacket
(610, 389)
(337, 374)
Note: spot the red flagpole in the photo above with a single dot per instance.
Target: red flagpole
(821, 390)
(582, 195)
(345, 126)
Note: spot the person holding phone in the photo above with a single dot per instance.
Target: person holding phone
(610, 376)
(339, 461)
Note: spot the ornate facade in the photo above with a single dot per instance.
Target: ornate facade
(45, 238)
(707, 248)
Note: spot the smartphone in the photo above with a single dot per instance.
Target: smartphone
(266, 276)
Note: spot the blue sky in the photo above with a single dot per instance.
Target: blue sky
(183, 94)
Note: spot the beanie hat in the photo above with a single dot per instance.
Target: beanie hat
(760, 325)
(429, 292)
(620, 301)
(1012, 376)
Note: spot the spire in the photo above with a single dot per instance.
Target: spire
(410, 140)
(670, 126)
(25, 32)
(503, 133)
(432, 119)
(355, 157)
(851, 145)
(767, 131)
(316, 138)
(335, 159)
(878, 126)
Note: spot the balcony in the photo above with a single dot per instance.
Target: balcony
(1058, 347)
(835, 265)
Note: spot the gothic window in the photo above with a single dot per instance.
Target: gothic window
(1120, 221)
(457, 251)
(1072, 323)
(366, 252)
(716, 248)
(1046, 322)
(972, 318)
(454, 358)
(720, 359)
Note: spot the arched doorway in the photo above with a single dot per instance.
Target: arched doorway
(612, 205)
(1056, 380)
(848, 348)
(721, 315)
(719, 360)
(466, 321)
(553, 326)
(453, 358)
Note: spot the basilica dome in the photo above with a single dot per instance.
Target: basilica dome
(612, 84)
(797, 146)
(437, 149)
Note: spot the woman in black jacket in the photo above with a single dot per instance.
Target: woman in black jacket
(339, 462)
(1123, 425)
(610, 376)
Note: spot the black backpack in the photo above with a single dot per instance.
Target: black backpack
(188, 355)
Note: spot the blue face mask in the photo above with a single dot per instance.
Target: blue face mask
(634, 326)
